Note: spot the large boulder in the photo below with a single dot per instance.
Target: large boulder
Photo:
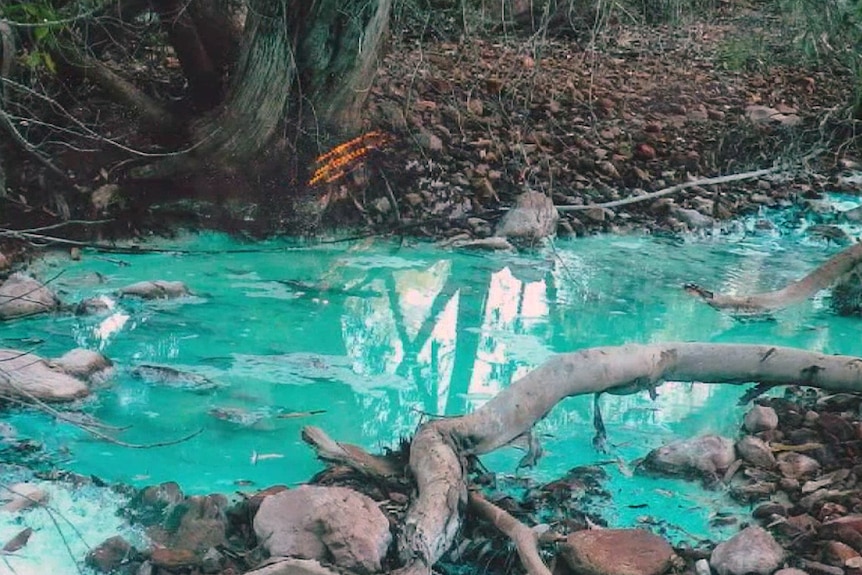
(332, 524)
(21, 296)
(532, 218)
(616, 552)
(27, 375)
(752, 550)
(707, 455)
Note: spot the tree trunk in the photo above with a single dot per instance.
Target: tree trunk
(198, 68)
(305, 67)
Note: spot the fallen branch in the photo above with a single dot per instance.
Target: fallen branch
(678, 188)
(795, 292)
(434, 517)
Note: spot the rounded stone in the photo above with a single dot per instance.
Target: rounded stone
(616, 552)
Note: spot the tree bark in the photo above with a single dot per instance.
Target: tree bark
(305, 67)
(198, 68)
(436, 453)
(821, 278)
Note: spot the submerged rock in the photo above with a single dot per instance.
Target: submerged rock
(28, 375)
(84, 363)
(24, 496)
(532, 218)
(22, 296)
(616, 552)
(324, 523)
(752, 550)
(156, 289)
(706, 455)
(172, 377)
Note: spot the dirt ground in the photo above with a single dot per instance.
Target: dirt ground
(590, 117)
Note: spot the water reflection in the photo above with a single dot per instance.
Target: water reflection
(381, 337)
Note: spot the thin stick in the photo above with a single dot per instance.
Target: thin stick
(677, 188)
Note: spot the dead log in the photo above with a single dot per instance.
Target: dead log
(823, 277)
(438, 450)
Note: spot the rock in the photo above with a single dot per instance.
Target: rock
(22, 296)
(492, 244)
(790, 571)
(292, 566)
(752, 550)
(644, 152)
(151, 504)
(201, 523)
(84, 363)
(616, 552)
(755, 452)
(847, 293)
(429, 141)
(110, 554)
(29, 374)
(212, 561)
(174, 558)
(94, 305)
(156, 289)
(692, 218)
(326, 523)
(4, 261)
(24, 496)
(768, 511)
(765, 115)
(709, 454)
(532, 218)
(838, 553)
(796, 465)
(760, 418)
(701, 567)
(171, 377)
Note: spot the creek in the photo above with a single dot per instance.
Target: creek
(367, 339)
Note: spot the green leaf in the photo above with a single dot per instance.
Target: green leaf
(40, 33)
(49, 62)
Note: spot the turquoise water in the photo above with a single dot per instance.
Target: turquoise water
(379, 335)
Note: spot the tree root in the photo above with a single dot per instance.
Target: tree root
(437, 451)
(525, 539)
(796, 292)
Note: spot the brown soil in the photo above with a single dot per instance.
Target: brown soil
(478, 120)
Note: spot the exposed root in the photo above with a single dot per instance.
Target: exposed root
(525, 539)
(434, 517)
(796, 292)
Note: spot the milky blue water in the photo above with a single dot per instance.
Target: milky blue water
(378, 335)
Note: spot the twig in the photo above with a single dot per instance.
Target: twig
(525, 539)
(677, 188)
(91, 430)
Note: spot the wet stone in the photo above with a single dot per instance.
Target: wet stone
(708, 455)
(752, 550)
(156, 289)
(755, 452)
(22, 296)
(109, 555)
(760, 418)
(796, 465)
(617, 552)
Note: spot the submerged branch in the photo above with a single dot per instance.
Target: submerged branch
(795, 292)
